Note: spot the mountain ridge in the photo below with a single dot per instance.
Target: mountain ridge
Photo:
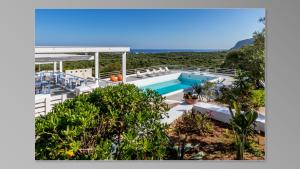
(242, 43)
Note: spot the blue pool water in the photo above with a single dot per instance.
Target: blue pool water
(184, 81)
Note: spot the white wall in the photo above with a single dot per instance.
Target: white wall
(157, 79)
(45, 102)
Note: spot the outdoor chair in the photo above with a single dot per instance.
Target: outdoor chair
(149, 73)
(139, 75)
(162, 70)
(155, 72)
(167, 69)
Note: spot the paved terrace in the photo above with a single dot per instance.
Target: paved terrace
(133, 77)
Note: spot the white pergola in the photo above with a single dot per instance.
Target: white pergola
(46, 55)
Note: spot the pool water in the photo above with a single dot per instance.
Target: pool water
(184, 81)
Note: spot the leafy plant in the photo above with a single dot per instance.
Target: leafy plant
(191, 123)
(242, 125)
(252, 147)
(241, 90)
(258, 98)
(190, 95)
(195, 123)
(198, 89)
(116, 122)
(208, 90)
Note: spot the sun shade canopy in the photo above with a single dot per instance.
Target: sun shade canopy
(62, 49)
(54, 54)
(61, 57)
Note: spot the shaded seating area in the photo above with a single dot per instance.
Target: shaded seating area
(45, 81)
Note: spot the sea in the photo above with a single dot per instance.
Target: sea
(173, 50)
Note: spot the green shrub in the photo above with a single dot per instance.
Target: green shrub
(116, 122)
(208, 91)
(242, 125)
(59, 135)
(191, 122)
(194, 123)
(252, 147)
(258, 98)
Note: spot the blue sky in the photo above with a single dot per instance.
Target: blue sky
(146, 28)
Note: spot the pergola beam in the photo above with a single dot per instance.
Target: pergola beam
(80, 49)
(61, 57)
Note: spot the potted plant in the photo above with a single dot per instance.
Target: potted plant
(120, 76)
(190, 98)
(198, 89)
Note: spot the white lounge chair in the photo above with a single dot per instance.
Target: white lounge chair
(155, 72)
(162, 70)
(139, 75)
(167, 69)
(149, 73)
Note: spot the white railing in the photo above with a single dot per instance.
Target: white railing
(223, 71)
(45, 105)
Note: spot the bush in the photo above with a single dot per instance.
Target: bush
(194, 123)
(116, 122)
(191, 122)
(240, 91)
(208, 90)
(59, 135)
(242, 125)
(258, 98)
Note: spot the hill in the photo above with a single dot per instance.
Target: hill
(241, 43)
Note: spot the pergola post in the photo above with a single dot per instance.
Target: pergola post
(54, 67)
(124, 67)
(60, 66)
(97, 66)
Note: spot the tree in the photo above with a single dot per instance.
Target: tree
(250, 58)
(235, 60)
(241, 90)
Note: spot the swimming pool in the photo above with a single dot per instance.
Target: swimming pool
(184, 81)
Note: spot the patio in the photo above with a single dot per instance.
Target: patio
(57, 82)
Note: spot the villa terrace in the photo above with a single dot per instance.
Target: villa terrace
(52, 87)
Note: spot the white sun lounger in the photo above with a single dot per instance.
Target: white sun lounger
(162, 70)
(149, 73)
(139, 75)
(167, 69)
(156, 72)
